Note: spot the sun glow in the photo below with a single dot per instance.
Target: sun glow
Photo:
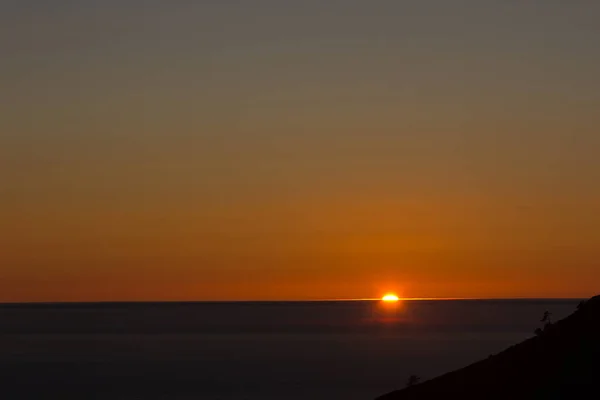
(390, 298)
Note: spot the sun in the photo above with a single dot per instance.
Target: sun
(391, 298)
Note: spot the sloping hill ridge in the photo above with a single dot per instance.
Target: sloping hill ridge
(561, 363)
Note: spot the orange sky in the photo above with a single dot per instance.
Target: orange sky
(312, 249)
(277, 151)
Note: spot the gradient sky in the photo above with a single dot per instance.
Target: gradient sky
(271, 149)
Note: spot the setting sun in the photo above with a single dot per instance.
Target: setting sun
(390, 298)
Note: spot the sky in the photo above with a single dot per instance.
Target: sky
(315, 149)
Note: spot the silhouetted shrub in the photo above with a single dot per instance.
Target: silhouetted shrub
(538, 332)
(413, 380)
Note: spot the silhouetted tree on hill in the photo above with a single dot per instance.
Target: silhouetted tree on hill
(547, 318)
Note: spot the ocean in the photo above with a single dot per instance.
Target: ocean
(351, 350)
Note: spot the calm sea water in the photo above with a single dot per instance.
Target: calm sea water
(309, 350)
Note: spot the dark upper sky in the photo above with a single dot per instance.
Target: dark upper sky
(279, 149)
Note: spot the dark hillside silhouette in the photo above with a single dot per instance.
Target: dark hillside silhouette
(562, 362)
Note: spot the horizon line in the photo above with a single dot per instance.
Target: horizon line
(281, 300)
